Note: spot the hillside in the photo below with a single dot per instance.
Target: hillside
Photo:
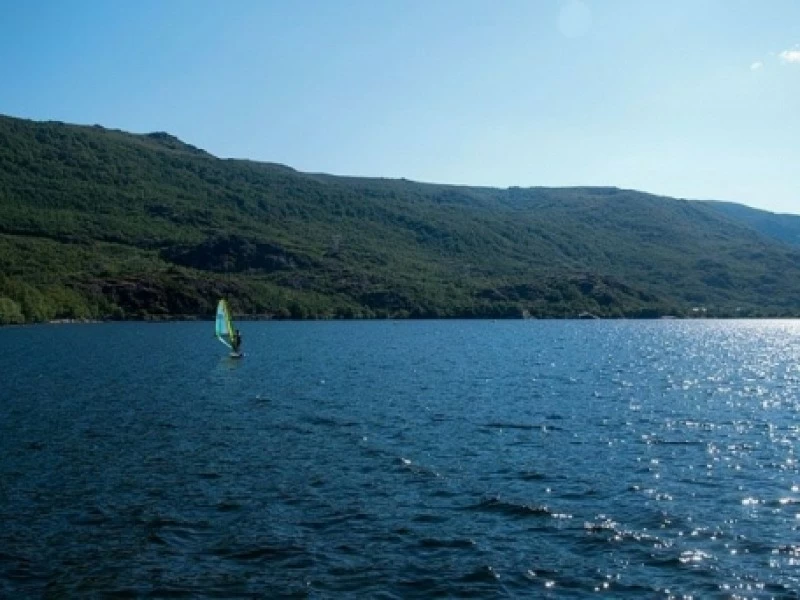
(102, 223)
(781, 227)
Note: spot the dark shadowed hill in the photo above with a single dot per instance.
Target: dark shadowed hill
(101, 223)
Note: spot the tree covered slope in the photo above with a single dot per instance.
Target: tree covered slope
(101, 223)
(778, 226)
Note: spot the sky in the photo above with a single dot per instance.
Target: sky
(694, 99)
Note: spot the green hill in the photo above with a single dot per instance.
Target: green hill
(778, 226)
(100, 223)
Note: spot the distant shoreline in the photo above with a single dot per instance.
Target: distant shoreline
(255, 318)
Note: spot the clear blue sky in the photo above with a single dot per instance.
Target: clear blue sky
(688, 98)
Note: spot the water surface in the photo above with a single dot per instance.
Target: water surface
(402, 459)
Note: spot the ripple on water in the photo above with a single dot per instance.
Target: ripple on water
(416, 459)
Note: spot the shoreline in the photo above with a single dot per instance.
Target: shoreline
(257, 318)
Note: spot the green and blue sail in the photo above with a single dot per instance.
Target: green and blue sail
(223, 328)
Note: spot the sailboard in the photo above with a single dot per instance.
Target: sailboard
(223, 327)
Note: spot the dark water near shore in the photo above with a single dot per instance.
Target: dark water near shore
(402, 459)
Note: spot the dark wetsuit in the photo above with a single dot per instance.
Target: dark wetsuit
(236, 341)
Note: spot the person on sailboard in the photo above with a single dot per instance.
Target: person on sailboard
(236, 341)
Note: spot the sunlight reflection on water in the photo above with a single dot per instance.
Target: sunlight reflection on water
(412, 458)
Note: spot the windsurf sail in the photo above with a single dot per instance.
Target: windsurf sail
(223, 327)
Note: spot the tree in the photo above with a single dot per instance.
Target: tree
(10, 312)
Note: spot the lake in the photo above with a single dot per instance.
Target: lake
(400, 459)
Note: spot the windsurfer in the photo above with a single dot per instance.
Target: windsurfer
(236, 341)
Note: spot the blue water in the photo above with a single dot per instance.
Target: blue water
(503, 459)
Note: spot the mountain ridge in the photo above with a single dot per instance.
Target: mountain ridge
(100, 223)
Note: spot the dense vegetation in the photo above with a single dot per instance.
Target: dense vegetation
(98, 223)
(781, 227)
